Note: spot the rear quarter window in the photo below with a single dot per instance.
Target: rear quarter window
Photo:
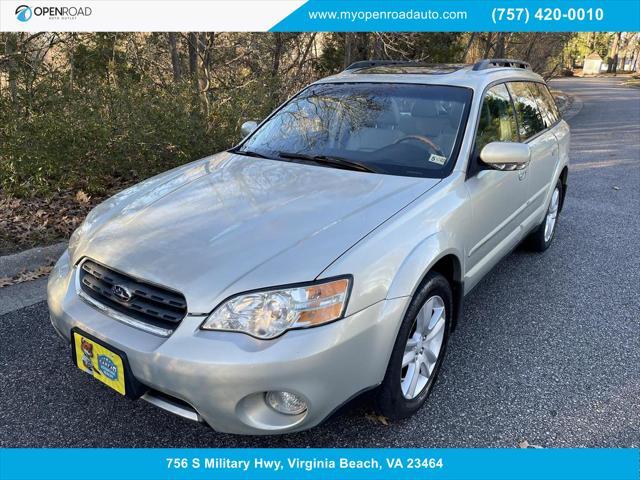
(547, 104)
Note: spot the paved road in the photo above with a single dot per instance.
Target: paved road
(549, 350)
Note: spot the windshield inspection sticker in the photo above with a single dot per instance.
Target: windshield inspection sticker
(439, 159)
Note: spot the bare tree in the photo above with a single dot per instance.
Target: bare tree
(612, 63)
(192, 46)
(175, 57)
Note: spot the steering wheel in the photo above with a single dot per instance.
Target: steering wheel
(421, 138)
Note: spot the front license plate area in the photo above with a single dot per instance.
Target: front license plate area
(105, 363)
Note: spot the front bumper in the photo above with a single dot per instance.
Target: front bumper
(221, 376)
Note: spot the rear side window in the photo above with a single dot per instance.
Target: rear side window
(530, 119)
(497, 118)
(547, 105)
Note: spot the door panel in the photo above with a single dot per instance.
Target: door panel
(498, 203)
(544, 160)
(497, 198)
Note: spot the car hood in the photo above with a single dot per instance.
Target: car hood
(230, 223)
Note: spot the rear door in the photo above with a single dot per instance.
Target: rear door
(497, 198)
(559, 128)
(535, 122)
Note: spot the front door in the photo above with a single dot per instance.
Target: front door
(498, 198)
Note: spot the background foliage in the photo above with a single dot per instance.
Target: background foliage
(94, 112)
(83, 115)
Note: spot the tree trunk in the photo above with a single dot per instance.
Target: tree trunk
(305, 53)
(203, 70)
(498, 51)
(348, 47)
(356, 47)
(175, 57)
(193, 57)
(208, 57)
(10, 46)
(362, 45)
(634, 62)
(527, 56)
(612, 64)
(488, 44)
(278, 48)
(199, 97)
(472, 38)
(378, 47)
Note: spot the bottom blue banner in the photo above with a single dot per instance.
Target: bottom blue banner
(460, 464)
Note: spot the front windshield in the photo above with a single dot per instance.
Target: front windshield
(398, 129)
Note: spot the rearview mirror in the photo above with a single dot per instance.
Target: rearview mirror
(248, 127)
(506, 155)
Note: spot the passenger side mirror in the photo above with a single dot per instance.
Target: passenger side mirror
(248, 127)
(506, 155)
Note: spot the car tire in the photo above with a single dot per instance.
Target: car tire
(395, 399)
(541, 238)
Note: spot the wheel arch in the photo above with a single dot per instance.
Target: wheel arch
(449, 267)
(564, 177)
(432, 256)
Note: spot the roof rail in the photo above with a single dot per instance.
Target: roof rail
(380, 63)
(500, 62)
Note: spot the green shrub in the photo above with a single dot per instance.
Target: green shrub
(90, 138)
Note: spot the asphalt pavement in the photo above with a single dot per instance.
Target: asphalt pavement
(548, 350)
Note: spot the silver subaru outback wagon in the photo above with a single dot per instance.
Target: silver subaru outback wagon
(328, 254)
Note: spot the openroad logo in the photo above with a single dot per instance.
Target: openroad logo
(24, 13)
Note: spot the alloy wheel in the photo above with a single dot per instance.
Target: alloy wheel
(552, 215)
(423, 347)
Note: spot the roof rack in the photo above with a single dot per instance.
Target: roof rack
(500, 62)
(380, 63)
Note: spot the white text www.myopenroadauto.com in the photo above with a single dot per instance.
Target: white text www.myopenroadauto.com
(360, 15)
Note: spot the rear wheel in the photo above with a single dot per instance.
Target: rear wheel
(541, 238)
(418, 351)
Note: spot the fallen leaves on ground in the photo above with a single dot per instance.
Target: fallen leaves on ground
(82, 198)
(30, 222)
(27, 275)
(375, 418)
(526, 444)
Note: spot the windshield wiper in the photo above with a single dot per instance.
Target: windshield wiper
(338, 162)
(249, 153)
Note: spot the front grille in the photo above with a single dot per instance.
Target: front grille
(151, 304)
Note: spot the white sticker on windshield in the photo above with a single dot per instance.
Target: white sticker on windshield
(439, 159)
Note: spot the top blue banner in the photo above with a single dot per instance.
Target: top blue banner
(463, 15)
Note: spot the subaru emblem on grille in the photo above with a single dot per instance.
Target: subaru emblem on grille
(121, 292)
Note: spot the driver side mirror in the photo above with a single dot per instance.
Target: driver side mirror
(248, 127)
(506, 155)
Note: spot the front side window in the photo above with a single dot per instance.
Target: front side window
(530, 120)
(497, 118)
(397, 129)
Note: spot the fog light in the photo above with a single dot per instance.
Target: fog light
(286, 402)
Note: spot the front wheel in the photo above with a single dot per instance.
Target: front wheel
(418, 351)
(541, 238)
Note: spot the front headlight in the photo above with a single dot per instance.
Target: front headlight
(269, 313)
